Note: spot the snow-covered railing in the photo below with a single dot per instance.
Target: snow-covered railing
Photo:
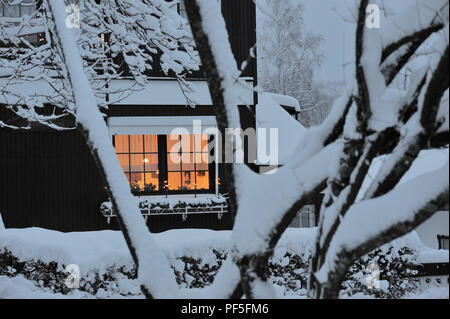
(174, 205)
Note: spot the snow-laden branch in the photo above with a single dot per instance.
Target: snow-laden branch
(115, 38)
(382, 220)
(417, 132)
(154, 272)
(209, 30)
(413, 24)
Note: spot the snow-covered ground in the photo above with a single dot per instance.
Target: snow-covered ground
(98, 251)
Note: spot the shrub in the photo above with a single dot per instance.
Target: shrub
(289, 272)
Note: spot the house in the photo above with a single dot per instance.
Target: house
(281, 112)
(48, 178)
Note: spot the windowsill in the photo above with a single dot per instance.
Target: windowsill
(175, 196)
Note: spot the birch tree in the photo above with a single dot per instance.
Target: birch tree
(288, 56)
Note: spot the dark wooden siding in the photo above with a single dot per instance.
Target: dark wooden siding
(160, 110)
(240, 18)
(49, 180)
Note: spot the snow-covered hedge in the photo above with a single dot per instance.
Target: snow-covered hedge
(106, 268)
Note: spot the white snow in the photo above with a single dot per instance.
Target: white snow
(413, 19)
(285, 100)
(2, 225)
(269, 114)
(102, 249)
(378, 215)
(153, 266)
(426, 162)
(98, 251)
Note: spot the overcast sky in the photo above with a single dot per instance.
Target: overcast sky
(338, 48)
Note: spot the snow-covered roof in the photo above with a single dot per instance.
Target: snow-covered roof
(426, 162)
(285, 100)
(269, 114)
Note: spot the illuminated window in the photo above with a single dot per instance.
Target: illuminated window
(159, 164)
(187, 162)
(138, 156)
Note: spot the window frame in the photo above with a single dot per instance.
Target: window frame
(19, 7)
(192, 154)
(163, 171)
(443, 241)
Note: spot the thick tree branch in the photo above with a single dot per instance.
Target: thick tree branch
(215, 83)
(392, 221)
(151, 263)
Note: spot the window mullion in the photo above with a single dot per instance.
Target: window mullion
(162, 161)
(143, 155)
(129, 159)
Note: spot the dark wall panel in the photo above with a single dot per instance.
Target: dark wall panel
(160, 110)
(49, 180)
(240, 18)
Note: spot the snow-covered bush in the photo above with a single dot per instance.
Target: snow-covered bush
(396, 270)
(41, 257)
(52, 276)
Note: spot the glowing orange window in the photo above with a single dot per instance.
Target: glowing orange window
(138, 156)
(188, 163)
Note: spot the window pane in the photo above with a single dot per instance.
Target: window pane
(137, 163)
(27, 7)
(201, 143)
(124, 162)
(31, 38)
(304, 219)
(187, 162)
(173, 143)
(173, 162)
(151, 162)
(203, 180)
(137, 181)
(121, 142)
(201, 161)
(445, 244)
(188, 180)
(151, 182)
(11, 11)
(151, 143)
(194, 164)
(174, 182)
(137, 144)
(187, 143)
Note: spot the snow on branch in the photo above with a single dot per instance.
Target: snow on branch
(151, 263)
(413, 24)
(116, 39)
(384, 219)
